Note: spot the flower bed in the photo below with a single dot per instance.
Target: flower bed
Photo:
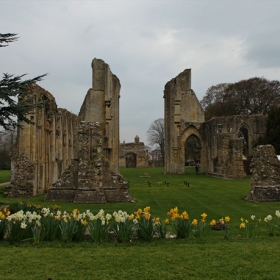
(36, 223)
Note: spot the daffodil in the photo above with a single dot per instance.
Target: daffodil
(227, 219)
(213, 222)
(242, 225)
(204, 215)
(194, 222)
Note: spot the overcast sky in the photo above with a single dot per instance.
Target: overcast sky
(146, 44)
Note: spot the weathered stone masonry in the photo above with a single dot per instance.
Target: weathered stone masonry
(221, 144)
(265, 182)
(133, 154)
(74, 158)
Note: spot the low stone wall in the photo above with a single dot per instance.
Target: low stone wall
(23, 183)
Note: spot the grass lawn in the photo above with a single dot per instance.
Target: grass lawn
(211, 258)
(5, 176)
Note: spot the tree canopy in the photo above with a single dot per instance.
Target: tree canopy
(272, 130)
(12, 87)
(246, 97)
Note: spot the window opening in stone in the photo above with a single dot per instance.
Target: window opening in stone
(243, 134)
(130, 160)
(192, 151)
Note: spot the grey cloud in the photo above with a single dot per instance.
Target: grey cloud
(146, 43)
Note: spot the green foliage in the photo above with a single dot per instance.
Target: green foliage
(246, 97)
(98, 231)
(68, 229)
(11, 88)
(272, 130)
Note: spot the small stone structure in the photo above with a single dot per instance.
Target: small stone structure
(73, 158)
(133, 154)
(221, 140)
(265, 167)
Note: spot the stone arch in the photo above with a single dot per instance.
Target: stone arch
(190, 131)
(245, 132)
(130, 160)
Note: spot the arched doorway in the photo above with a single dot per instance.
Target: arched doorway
(192, 150)
(130, 160)
(243, 134)
(191, 146)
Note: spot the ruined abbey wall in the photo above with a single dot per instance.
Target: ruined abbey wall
(222, 150)
(265, 182)
(42, 150)
(101, 105)
(73, 158)
(181, 108)
(221, 140)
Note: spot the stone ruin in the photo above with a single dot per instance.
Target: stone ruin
(225, 143)
(69, 157)
(265, 182)
(133, 154)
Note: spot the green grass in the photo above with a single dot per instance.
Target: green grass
(215, 196)
(169, 259)
(212, 258)
(5, 176)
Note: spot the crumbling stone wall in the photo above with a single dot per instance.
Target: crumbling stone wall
(136, 150)
(181, 107)
(75, 158)
(22, 179)
(221, 148)
(47, 146)
(101, 105)
(89, 178)
(265, 182)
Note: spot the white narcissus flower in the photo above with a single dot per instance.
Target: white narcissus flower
(108, 217)
(135, 221)
(277, 213)
(23, 225)
(253, 217)
(268, 218)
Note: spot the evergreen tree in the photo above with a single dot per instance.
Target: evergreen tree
(12, 88)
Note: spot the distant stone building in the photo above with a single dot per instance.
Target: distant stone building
(133, 154)
(225, 143)
(73, 158)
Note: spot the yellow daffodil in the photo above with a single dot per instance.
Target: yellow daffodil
(147, 209)
(242, 225)
(227, 219)
(166, 221)
(194, 222)
(204, 215)
(213, 222)
(186, 217)
(147, 216)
